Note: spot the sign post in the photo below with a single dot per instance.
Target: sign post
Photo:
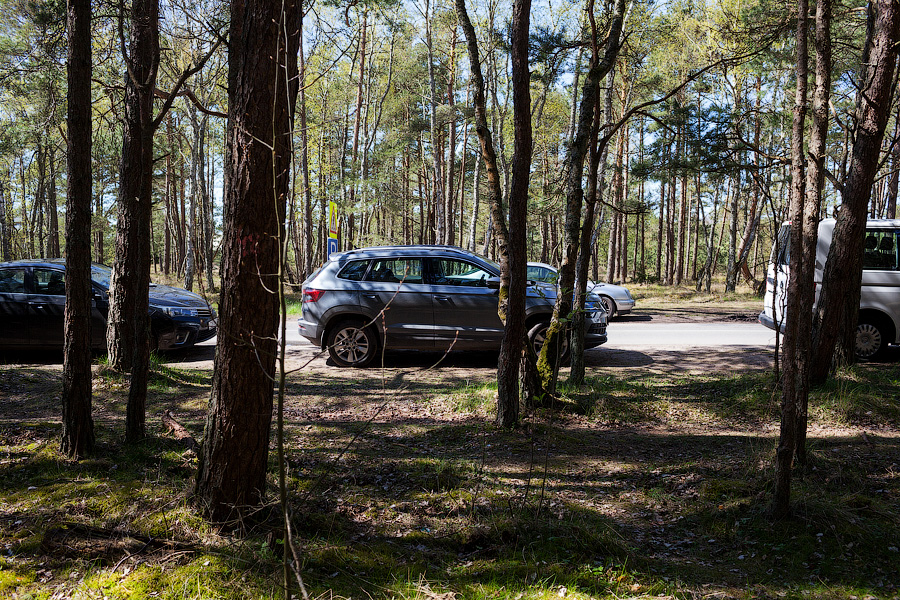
(333, 245)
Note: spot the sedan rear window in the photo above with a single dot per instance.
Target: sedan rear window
(12, 281)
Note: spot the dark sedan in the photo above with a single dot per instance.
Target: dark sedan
(33, 296)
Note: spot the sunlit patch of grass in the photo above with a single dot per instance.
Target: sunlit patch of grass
(612, 400)
(860, 395)
(476, 398)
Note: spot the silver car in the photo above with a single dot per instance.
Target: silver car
(617, 299)
(418, 297)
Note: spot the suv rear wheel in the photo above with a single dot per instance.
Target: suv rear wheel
(352, 344)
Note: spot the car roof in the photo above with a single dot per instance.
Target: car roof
(540, 264)
(411, 250)
(35, 262)
(43, 262)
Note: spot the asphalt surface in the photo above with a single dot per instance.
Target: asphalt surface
(633, 341)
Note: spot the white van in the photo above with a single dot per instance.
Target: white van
(879, 305)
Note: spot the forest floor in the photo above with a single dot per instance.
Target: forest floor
(652, 480)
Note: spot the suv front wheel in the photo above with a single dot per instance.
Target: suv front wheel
(352, 344)
(538, 334)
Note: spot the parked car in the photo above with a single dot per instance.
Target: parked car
(33, 296)
(879, 300)
(418, 297)
(617, 299)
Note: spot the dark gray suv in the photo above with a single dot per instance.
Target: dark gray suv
(418, 297)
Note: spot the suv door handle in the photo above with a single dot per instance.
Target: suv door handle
(442, 298)
(371, 296)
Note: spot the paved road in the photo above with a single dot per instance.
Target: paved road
(634, 334)
(688, 335)
(628, 337)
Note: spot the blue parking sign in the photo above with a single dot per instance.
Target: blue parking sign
(332, 246)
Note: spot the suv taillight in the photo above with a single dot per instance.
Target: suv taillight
(311, 295)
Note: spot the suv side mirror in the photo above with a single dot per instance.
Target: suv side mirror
(493, 283)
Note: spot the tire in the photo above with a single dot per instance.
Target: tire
(610, 305)
(352, 344)
(871, 339)
(538, 333)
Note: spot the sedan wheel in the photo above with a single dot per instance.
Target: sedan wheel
(610, 306)
(870, 341)
(351, 344)
(538, 335)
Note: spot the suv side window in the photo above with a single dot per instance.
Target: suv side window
(49, 282)
(880, 250)
(12, 281)
(354, 271)
(449, 271)
(395, 270)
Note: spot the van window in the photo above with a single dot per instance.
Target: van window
(880, 250)
(781, 251)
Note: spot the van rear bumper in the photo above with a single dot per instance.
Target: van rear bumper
(769, 322)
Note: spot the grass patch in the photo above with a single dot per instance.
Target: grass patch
(636, 486)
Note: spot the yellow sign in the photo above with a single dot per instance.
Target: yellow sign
(332, 220)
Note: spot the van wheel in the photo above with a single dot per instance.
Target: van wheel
(871, 340)
(352, 344)
(538, 335)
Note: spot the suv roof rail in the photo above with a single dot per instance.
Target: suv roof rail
(444, 247)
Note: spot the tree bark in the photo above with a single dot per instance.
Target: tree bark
(436, 150)
(815, 181)
(53, 250)
(514, 332)
(835, 320)
(548, 363)
(793, 383)
(262, 89)
(78, 425)
(128, 322)
(507, 397)
(5, 227)
(597, 162)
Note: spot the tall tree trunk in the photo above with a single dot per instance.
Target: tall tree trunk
(52, 209)
(793, 384)
(450, 196)
(815, 181)
(262, 89)
(78, 425)
(596, 157)
(128, 322)
(476, 197)
(6, 229)
(436, 150)
(835, 321)
(308, 241)
(548, 364)
(894, 181)
(660, 229)
(99, 229)
(507, 391)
